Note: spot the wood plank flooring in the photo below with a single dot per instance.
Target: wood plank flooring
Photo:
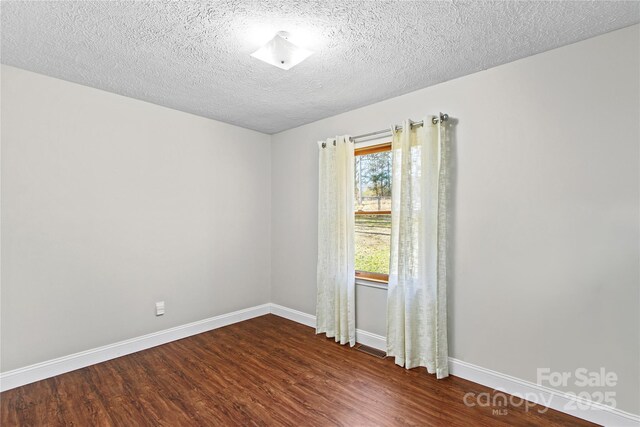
(266, 371)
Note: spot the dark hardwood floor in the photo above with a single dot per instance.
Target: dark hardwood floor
(264, 371)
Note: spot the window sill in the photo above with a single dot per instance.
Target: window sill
(370, 283)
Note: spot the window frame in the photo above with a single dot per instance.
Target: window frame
(379, 278)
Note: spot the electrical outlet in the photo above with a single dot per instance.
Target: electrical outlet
(159, 308)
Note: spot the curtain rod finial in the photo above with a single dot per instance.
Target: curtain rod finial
(442, 118)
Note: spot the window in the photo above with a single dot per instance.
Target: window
(373, 212)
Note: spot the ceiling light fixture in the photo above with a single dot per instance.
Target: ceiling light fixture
(281, 52)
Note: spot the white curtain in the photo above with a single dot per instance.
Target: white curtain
(335, 308)
(417, 301)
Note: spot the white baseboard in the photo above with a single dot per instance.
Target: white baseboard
(554, 399)
(363, 337)
(50, 368)
(546, 396)
(558, 400)
(295, 315)
(371, 339)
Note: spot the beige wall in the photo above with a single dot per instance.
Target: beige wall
(110, 204)
(545, 218)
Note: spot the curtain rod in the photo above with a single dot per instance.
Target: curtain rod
(443, 117)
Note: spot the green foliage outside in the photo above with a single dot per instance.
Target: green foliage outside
(372, 243)
(372, 176)
(373, 192)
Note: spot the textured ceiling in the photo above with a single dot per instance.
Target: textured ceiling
(194, 56)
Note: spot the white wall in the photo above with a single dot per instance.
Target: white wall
(545, 211)
(110, 204)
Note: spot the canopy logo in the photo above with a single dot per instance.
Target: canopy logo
(499, 401)
(581, 378)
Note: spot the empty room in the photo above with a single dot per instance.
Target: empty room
(320, 213)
